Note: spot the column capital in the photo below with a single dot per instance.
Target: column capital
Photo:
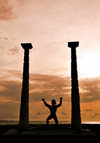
(26, 46)
(73, 44)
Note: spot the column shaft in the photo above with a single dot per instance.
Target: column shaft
(24, 108)
(76, 118)
(75, 99)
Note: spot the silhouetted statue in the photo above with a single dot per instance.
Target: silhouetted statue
(53, 109)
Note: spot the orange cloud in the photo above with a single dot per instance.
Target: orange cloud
(49, 87)
(91, 88)
(2, 88)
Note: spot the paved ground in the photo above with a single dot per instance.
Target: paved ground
(50, 130)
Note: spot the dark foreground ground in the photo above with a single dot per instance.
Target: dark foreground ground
(62, 129)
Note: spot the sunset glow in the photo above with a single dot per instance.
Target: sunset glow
(88, 65)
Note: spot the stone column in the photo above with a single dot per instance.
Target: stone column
(75, 99)
(24, 108)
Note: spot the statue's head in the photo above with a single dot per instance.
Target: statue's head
(53, 102)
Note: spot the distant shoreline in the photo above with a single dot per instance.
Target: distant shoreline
(13, 122)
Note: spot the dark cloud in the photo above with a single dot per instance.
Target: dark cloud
(12, 90)
(6, 10)
(55, 87)
(91, 88)
(46, 86)
(39, 84)
(49, 87)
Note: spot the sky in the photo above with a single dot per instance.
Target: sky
(49, 25)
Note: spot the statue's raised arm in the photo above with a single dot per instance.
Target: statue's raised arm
(45, 103)
(59, 103)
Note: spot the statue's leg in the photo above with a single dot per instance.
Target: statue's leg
(56, 119)
(49, 118)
